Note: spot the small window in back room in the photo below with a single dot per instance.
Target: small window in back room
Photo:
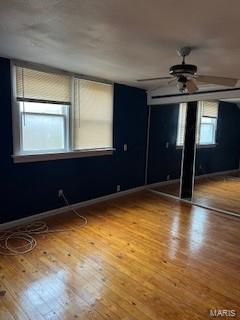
(206, 123)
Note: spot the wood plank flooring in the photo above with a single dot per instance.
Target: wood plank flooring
(140, 257)
(221, 192)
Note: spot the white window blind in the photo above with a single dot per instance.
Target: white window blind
(181, 123)
(33, 85)
(208, 109)
(93, 114)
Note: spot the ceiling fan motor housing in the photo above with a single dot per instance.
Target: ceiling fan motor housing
(183, 70)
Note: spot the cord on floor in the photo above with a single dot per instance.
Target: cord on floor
(26, 234)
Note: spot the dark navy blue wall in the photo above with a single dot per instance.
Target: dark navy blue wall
(163, 161)
(226, 155)
(167, 161)
(31, 188)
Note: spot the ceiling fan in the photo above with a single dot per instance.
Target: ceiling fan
(186, 74)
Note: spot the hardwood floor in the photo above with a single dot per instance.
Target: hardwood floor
(139, 257)
(221, 192)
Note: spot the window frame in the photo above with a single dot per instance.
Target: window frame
(18, 155)
(66, 120)
(199, 117)
(214, 131)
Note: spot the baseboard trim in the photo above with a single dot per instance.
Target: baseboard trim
(162, 183)
(219, 173)
(45, 214)
(192, 203)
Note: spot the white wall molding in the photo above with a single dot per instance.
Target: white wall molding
(64, 209)
(161, 97)
(162, 183)
(82, 204)
(218, 173)
(192, 203)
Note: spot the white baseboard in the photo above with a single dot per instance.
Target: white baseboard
(162, 183)
(60, 210)
(193, 203)
(43, 215)
(219, 173)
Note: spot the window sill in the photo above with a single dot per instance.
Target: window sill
(21, 158)
(201, 146)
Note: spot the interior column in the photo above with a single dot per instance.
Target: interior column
(189, 150)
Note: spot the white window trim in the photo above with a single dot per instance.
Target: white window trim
(66, 135)
(200, 146)
(210, 145)
(69, 153)
(20, 158)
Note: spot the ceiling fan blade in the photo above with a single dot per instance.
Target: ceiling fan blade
(222, 81)
(191, 86)
(153, 88)
(158, 87)
(153, 79)
(172, 80)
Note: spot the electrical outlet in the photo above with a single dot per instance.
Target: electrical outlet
(168, 177)
(118, 187)
(167, 145)
(125, 147)
(60, 193)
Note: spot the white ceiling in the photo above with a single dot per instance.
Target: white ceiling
(123, 40)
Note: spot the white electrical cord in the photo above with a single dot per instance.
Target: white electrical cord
(25, 233)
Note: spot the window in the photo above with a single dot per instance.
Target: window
(207, 130)
(206, 123)
(43, 127)
(181, 123)
(59, 113)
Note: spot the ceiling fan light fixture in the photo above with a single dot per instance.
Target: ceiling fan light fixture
(186, 75)
(182, 69)
(181, 84)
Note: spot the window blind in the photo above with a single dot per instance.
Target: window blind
(208, 109)
(181, 123)
(34, 85)
(93, 113)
